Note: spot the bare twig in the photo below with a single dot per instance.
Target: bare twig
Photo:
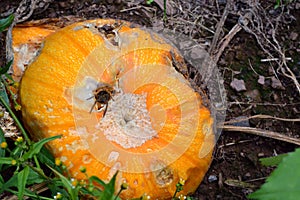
(234, 143)
(274, 59)
(260, 25)
(262, 104)
(219, 28)
(132, 8)
(193, 23)
(261, 117)
(261, 132)
(250, 64)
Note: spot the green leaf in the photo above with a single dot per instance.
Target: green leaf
(1, 181)
(109, 189)
(3, 94)
(272, 161)
(6, 160)
(95, 193)
(22, 181)
(47, 158)
(34, 177)
(284, 182)
(4, 23)
(4, 69)
(73, 192)
(29, 193)
(55, 186)
(97, 180)
(2, 151)
(149, 2)
(12, 182)
(36, 147)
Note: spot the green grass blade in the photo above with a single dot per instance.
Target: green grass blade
(3, 93)
(2, 151)
(29, 193)
(12, 182)
(165, 9)
(5, 160)
(73, 192)
(36, 147)
(284, 181)
(34, 177)
(4, 69)
(22, 181)
(109, 189)
(5, 23)
(97, 180)
(47, 158)
(272, 161)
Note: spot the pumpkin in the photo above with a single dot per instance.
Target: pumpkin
(156, 130)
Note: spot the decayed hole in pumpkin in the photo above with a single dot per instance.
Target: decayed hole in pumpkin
(163, 175)
(127, 121)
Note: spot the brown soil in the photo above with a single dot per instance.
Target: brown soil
(236, 154)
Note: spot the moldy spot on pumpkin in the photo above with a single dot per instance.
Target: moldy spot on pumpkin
(164, 176)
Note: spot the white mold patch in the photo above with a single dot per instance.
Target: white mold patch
(113, 156)
(74, 147)
(127, 121)
(63, 159)
(60, 149)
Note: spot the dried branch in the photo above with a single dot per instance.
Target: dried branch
(219, 28)
(259, 26)
(261, 132)
(260, 117)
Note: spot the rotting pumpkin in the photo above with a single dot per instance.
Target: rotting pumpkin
(156, 130)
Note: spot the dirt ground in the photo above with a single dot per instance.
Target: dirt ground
(236, 153)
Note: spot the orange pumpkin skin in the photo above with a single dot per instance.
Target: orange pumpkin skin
(48, 110)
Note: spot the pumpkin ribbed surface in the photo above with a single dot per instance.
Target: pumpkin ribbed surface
(155, 131)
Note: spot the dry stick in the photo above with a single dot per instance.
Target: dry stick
(219, 28)
(274, 59)
(222, 45)
(261, 132)
(268, 43)
(212, 49)
(193, 23)
(225, 41)
(261, 117)
(262, 104)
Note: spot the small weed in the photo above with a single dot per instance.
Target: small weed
(282, 2)
(149, 2)
(284, 182)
